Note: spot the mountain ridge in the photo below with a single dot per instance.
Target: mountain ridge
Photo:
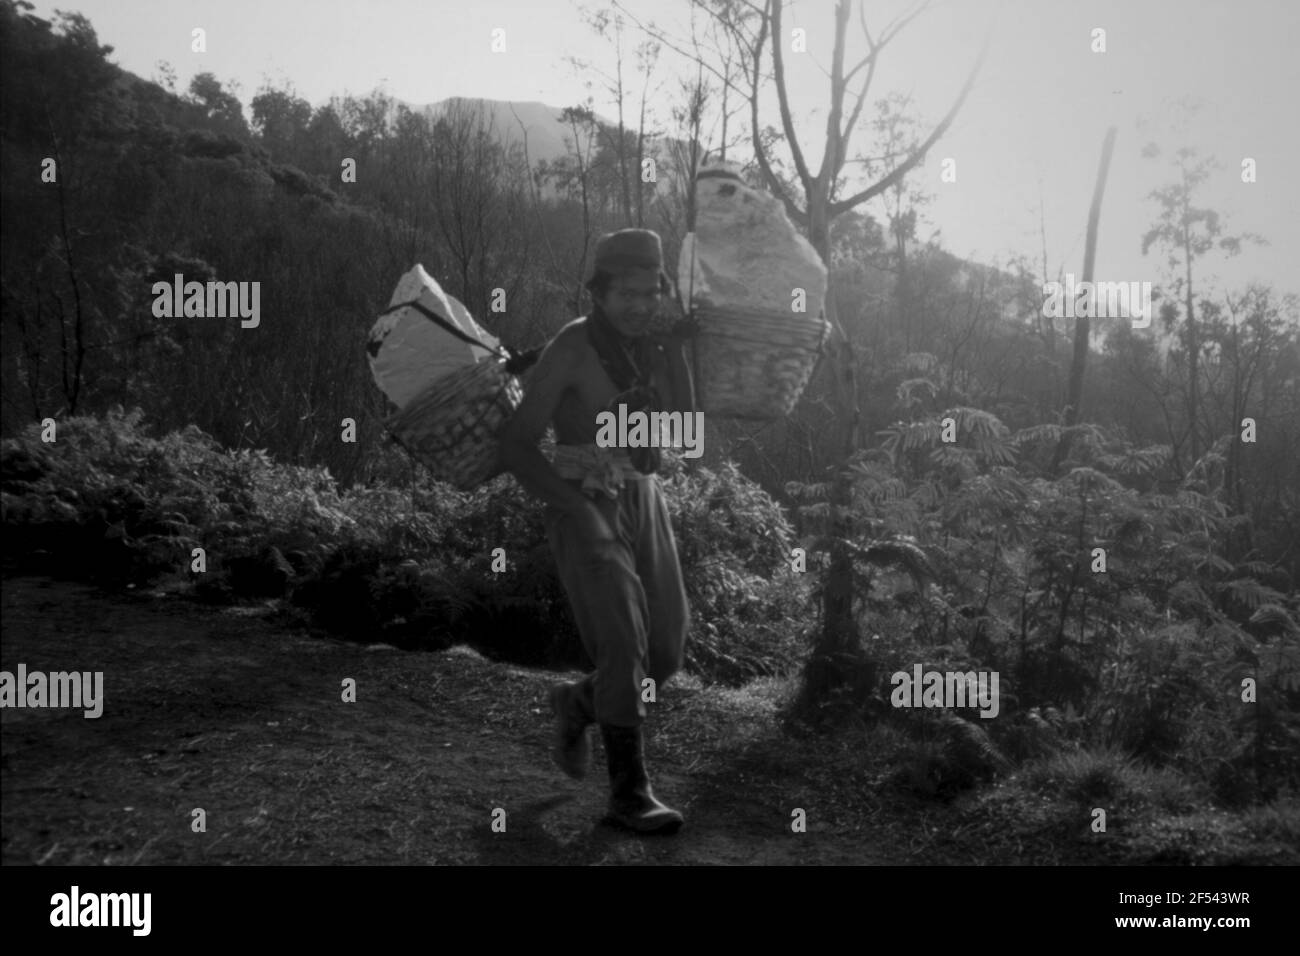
(547, 136)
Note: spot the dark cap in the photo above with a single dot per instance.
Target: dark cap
(629, 249)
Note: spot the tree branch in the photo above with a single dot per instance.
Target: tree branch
(774, 184)
(663, 38)
(787, 123)
(907, 165)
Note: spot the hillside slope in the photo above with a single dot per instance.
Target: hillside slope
(238, 711)
(232, 711)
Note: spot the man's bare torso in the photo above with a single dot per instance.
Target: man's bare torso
(588, 390)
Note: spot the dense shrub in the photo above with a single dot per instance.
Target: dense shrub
(411, 566)
(1095, 592)
(750, 611)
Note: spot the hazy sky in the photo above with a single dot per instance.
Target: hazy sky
(1031, 130)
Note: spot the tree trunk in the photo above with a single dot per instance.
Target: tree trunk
(839, 635)
(1082, 326)
(1193, 351)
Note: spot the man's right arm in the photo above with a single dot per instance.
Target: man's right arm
(518, 439)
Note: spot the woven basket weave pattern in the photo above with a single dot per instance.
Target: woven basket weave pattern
(754, 364)
(452, 426)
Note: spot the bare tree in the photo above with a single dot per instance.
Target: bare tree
(478, 191)
(1188, 232)
(1082, 323)
(897, 132)
(619, 141)
(752, 27)
(583, 124)
(706, 119)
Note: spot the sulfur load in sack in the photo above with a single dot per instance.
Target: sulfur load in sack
(447, 377)
(739, 272)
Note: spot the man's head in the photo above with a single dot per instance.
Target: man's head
(628, 282)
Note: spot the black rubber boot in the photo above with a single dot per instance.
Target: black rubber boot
(632, 804)
(572, 706)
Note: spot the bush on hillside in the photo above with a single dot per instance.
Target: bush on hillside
(412, 566)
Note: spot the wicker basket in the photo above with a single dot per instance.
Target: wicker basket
(451, 427)
(752, 364)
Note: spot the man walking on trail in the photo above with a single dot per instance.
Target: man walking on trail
(606, 519)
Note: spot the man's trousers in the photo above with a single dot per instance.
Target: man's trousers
(627, 597)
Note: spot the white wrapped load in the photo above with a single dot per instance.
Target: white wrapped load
(408, 351)
(745, 252)
(757, 288)
(453, 396)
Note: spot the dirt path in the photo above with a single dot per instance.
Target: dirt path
(238, 712)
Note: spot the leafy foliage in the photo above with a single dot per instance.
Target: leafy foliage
(414, 567)
(1145, 641)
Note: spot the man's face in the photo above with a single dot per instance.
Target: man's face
(632, 301)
